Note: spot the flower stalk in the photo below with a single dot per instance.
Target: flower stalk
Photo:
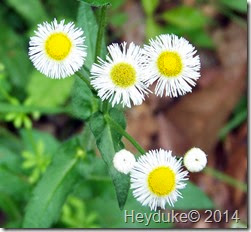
(101, 30)
(118, 128)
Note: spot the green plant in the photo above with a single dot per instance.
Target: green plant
(66, 183)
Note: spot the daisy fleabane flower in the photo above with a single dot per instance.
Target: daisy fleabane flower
(120, 78)
(195, 160)
(173, 63)
(57, 49)
(156, 179)
(124, 161)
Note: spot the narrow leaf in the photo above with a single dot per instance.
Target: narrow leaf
(51, 192)
(87, 21)
(13, 184)
(109, 142)
(186, 17)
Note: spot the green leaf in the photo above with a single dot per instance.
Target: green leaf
(14, 56)
(32, 137)
(152, 28)
(238, 5)
(97, 2)
(9, 159)
(118, 19)
(150, 6)
(201, 39)
(193, 198)
(31, 10)
(109, 142)
(10, 141)
(83, 101)
(13, 184)
(49, 195)
(10, 208)
(112, 217)
(51, 92)
(116, 4)
(186, 17)
(87, 21)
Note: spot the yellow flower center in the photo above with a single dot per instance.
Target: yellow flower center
(123, 75)
(169, 64)
(58, 46)
(161, 181)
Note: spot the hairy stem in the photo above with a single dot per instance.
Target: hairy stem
(118, 128)
(209, 171)
(84, 79)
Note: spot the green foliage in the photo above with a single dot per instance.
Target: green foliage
(238, 5)
(45, 182)
(13, 184)
(38, 152)
(111, 217)
(30, 10)
(152, 28)
(14, 56)
(52, 190)
(201, 38)
(185, 17)
(97, 2)
(118, 19)
(32, 137)
(150, 6)
(8, 158)
(87, 21)
(193, 198)
(76, 215)
(11, 209)
(108, 143)
(43, 91)
(239, 116)
(19, 119)
(83, 101)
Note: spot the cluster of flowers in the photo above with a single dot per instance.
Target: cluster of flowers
(57, 50)
(157, 176)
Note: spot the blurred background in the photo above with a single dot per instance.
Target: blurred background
(213, 117)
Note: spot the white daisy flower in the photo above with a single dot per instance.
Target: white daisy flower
(120, 78)
(57, 49)
(195, 160)
(156, 179)
(172, 61)
(124, 161)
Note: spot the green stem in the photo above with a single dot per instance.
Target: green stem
(101, 29)
(87, 82)
(105, 107)
(233, 123)
(118, 128)
(6, 108)
(210, 171)
(225, 178)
